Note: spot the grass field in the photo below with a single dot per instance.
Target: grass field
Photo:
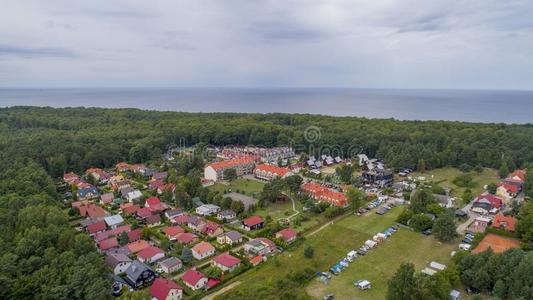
(445, 177)
(246, 186)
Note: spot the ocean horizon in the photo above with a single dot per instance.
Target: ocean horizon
(486, 106)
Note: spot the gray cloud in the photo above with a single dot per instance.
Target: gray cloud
(270, 30)
(45, 52)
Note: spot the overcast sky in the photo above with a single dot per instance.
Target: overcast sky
(365, 44)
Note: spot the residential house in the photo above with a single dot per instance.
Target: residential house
(155, 205)
(134, 195)
(479, 225)
(172, 232)
(269, 172)
(143, 213)
(226, 262)
(96, 227)
(122, 167)
(202, 250)
(153, 220)
(212, 229)
(114, 221)
(324, 194)
(242, 165)
(507, 223)
(180, 220)
(253, 223)
(160, 176)
(230, 238)
(207, 210)
(195, 223)
(226, 215)
(289, 235)
(112, 232)
(165, 289)
(107, 244)
(517, 178)
(170, 265)
(155, 184)
(444, 200)
(186, 238)
(172, 213)
(150, 254)
(194, 279)
(486, 203)
(118, 262)
(169, 186)
(134, 235)
(129, 208)
(70, 177)
(86, 193)
(92, 211)
(137, 246)
(259, 246)
(139, 274)
(107, 198)
(507, 191)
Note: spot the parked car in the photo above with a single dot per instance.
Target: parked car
(426, 232)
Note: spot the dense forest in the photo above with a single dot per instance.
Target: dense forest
(43, 258)
(77, 138)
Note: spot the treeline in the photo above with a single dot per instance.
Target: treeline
(76, 138)
(41, 255)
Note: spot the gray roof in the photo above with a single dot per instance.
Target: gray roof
(233, 235)
(171, 262)
(113, 259)
(135, 270)
(124, 192)
(173, 212)
(227, 212)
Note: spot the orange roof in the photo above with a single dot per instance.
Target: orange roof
(137, 246)
(203, 247)
(272, 169)
(498, 244)
(504, 222)
(520, 174)
(231, 163)
(256, 260)
(322, 193)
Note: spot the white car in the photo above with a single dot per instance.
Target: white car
(464, 247)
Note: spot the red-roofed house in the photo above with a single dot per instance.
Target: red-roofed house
(324, 194)
(253, 223)
(169, 186)
(96, 227)
(155, 184)
(165, 289)
(70, 177)
(486, 203)
(108, 244)
(180, 220)
(212, 229)
(211, 283)
(242, 165)
(186, 238)
(269, 172)
(506, 223)
(202, 250)
(172, 232)
(107, 198)
(226, 262)
(194, 279)
(137, 246)
(134, 235)
(289, 235)
(155, 205)
(150, 254)
(131, 209)
(506, 190)
(143, 213)
(92, 211)
(122, 167)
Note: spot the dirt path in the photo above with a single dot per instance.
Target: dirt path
(321, 227)
(221, 291)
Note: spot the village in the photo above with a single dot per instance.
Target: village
(151, 244)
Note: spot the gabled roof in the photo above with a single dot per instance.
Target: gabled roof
(135, 270)
(231, 163)
(181, 219)
(252, 221)
(107, 198)
(172, 231)
(186, 238)
(279, 171)
(162, 287)
(504, 222)
(287, 233)
(203, 247)
(114, 220)
(137, 246)
(234, 235)
(192, 277)
(149, 252)
(493, 201)
(171, 262)
(113, 259)
(132, 209)
(226, 260)
(144, 212)
(510, 188)
(96, 227)
(152, 201)
(108, 244)
(92, 211)
(153, 219)
(134, 235)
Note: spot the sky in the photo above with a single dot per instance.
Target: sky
(475, 44)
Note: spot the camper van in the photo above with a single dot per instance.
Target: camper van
(352, 255)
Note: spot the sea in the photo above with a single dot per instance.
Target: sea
(487, 106)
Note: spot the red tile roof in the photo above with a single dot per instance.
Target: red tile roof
(495, 202)
(202, 247)
(186, 238)
(132, 209)
(134, 235)
(322, 193)
(162, 287)
(137, 246)
(504, 222)
(143, 212)
(511, 188)
(252, 221)
(192, 277)
(108, 244)
(226, 260)
(96, 227)
(519, 174)
(231, 163)
(149, 252)
(152, 201)
(92, 211)
(287, 233)
(173, 231)
(279, 171)
(181, 219)
(212, 282)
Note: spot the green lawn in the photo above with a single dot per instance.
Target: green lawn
(379, 265)
(445, 177)
(246, 186)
